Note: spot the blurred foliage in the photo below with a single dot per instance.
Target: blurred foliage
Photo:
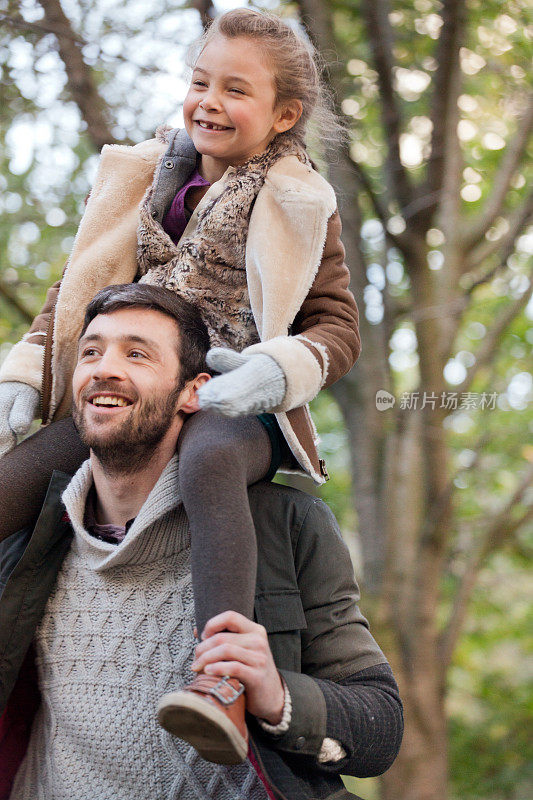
(47, 162)
(491, 698)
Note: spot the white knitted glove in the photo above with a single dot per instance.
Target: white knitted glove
(251, 384)
(18, 408)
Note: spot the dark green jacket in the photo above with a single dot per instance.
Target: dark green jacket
(306, 598)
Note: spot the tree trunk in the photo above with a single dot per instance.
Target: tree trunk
(421, 770)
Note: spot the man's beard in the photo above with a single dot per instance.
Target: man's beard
(131, 445)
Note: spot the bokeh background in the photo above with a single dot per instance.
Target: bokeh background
(429, 439)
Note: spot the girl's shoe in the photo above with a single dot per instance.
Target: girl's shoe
(209, 715)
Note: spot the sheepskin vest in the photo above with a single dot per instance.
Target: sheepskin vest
(208, 267)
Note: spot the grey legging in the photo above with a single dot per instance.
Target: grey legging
(219, 458)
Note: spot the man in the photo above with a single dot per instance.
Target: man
(104, 593)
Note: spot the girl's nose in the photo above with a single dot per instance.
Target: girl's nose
(210, 102)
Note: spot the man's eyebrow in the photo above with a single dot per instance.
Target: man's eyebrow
(128, 338)
(229, 78)
(89, 337)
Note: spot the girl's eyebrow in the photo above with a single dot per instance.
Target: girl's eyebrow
(229, 78)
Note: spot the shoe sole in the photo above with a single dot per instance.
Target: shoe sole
(203, 726)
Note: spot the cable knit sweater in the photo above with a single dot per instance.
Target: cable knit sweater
(117, 633)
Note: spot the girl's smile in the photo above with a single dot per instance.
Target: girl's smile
(212, 126)
(230, 110)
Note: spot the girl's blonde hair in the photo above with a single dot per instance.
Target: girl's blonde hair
(294, 64)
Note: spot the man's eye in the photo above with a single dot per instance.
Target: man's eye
(137, 354)
(88, 352)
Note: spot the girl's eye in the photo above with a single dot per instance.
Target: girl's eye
(199, 83)
(237, 91)
(88, 352)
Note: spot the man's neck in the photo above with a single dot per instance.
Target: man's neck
(120, 496)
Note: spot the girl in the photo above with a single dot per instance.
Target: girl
(235, 219)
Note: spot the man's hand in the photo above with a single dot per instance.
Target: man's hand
(234, 645)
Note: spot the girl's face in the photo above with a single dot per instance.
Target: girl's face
(230, 111)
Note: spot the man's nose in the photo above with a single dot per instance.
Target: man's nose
(109, 366)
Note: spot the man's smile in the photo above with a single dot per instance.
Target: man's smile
(101, 400)
(108, 401)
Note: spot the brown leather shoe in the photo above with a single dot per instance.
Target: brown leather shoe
(209, 714)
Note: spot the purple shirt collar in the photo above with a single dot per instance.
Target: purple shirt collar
(113, 534)
(176, 219)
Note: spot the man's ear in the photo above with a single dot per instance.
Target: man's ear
(188, 400)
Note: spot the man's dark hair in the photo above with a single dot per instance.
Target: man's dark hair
(193, 338)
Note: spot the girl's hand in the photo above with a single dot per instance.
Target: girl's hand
(18, 408)
(251, 384)
(234, 645)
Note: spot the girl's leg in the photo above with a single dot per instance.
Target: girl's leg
(25, 472)
(219, 458)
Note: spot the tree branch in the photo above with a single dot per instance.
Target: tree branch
(500, 186)
(492, 338)
(381, 212)
(376, 14)
(43, 29)
(445, 91)
(489, 275)
(318, 21)
(517, 221)
(502, 529)
(441, 503)
(80, 80)
(206, 9)
(11, 298)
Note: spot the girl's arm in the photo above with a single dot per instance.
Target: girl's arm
(322, 346)
(25, 359)
(329, 318)
(39, 326)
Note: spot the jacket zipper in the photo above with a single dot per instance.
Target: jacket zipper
(46, 386)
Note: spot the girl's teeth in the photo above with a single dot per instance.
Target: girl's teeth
(212, 126)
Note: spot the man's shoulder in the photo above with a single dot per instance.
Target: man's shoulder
(266, 496)
(281, 509)
(278, 490)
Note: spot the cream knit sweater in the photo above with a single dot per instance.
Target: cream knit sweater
(117, 633)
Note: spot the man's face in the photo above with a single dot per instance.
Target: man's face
(126, 385)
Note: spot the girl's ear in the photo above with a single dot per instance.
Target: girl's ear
(289, 115)
(188, 400)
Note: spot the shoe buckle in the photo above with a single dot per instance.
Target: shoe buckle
(225, 684)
